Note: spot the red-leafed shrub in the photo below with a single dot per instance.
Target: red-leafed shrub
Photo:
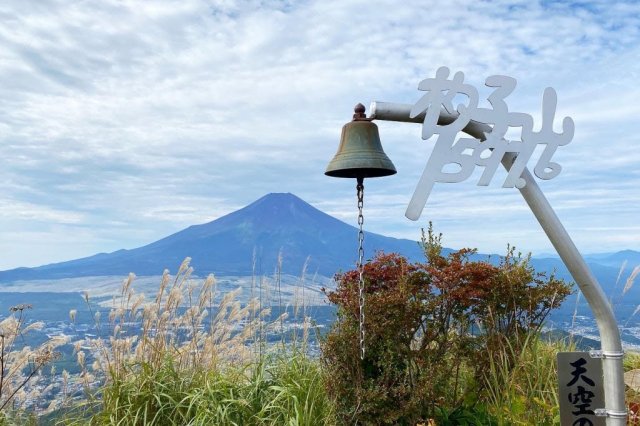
(430, 329)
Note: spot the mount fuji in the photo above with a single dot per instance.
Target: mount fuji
(275, 225)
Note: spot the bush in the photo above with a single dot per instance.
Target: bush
(432, 331)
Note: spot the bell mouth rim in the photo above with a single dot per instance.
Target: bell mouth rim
(354, 173)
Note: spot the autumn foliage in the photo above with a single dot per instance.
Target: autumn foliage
(431, 329)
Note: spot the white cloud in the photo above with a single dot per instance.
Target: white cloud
(155, 115)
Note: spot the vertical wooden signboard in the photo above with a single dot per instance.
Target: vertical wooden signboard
(581, 390)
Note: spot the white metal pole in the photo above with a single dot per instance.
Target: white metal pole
(608, 328)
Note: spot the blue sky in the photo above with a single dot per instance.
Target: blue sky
(124, 121)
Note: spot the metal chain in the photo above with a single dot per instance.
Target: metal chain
(360, 266)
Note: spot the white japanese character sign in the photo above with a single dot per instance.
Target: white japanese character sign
(489, 152)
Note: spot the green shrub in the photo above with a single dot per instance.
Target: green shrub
(464, 416)
(433, 331)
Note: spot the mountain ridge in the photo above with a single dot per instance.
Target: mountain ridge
(276, 225)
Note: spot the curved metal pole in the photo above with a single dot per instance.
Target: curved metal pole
(607, 326)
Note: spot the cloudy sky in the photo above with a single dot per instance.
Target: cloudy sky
(124, 121)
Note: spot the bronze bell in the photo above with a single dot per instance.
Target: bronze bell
(360, 153)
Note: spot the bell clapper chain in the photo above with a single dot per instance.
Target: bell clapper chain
(359, 265)
(360, 155)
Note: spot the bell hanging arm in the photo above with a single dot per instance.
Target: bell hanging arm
(360, 154)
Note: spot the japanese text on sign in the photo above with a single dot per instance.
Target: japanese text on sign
(468, 152)
(580, 389)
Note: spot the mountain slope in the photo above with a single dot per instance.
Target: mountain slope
(281, 223)
(276, 223)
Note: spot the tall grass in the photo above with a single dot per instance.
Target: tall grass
(181, 368)
(276, 391)
(525, 392)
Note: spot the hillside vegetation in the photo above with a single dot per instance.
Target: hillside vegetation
(448, 341)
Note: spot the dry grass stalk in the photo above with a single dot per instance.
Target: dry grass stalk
(187, 322)
(174, 326)
(631, 279)
(622, 268)
(21, 379)
(575, 315)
